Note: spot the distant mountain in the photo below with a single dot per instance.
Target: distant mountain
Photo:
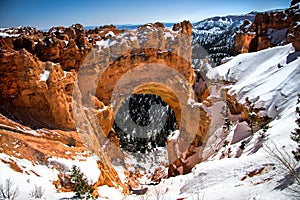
(217, 34)
(128, 26)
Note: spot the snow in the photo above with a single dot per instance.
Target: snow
(105, 43)
(257, 76)
(103, 109)
(26, 182)
(43, 175)
(110, 33)
(120, 170)
(8, 35)
(227, 178)
(88, 166)
(222, 180)
(169, 35)
(146, 162)
(66, 42)
(45, 75)
(240, 132)
(110, 193)
(174, 136)
(277, 36)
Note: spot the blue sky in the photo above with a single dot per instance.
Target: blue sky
(48, 13)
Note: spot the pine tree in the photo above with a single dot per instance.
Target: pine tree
(80, 184)
(295, 135)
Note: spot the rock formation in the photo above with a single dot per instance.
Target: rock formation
(294, 35)
(40, 90)
(146, 55)
(269, 30)
(47, 77)
(38, 71)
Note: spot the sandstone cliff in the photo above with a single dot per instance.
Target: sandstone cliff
(269, 30)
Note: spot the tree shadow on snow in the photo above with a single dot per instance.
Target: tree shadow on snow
(286, 181)
(292, 56)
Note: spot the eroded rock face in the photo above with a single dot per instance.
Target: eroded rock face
(269, 30)
(242, 42)
(37, 94)
(294, 36)
(43, 90)
(185, 27)
(42, 86)
(65, 46)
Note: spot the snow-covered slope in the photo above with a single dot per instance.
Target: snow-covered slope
(270, 78)
(33, 175)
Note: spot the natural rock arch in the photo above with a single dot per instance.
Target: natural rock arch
(147, 71)
(123, 64)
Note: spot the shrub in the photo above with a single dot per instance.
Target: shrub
(158, 193)
(288, 164)
(8, 191)
(37, 192)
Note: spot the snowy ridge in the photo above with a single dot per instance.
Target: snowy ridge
(4, 35)
(270, 78)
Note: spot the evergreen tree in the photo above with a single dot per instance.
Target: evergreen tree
(295, 135)
(80, 184)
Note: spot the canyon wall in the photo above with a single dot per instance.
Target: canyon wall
(269, 30)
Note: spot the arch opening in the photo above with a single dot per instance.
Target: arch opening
(155, 117)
